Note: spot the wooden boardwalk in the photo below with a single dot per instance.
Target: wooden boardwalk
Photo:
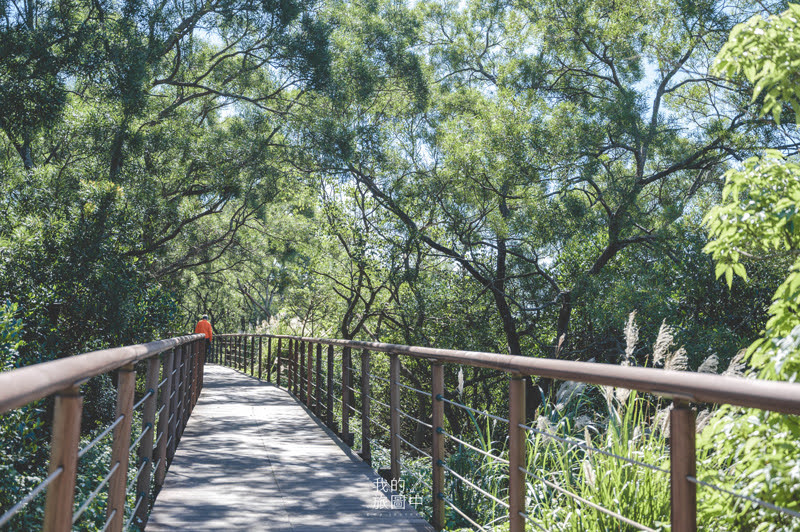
(253, 458)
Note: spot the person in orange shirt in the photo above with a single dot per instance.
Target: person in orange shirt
(204, 327)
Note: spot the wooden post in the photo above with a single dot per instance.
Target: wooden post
(278, 365)
(242, 347)
(366, 426)
(260, 355)
(205, 345)
(63, 453)
(299, 350)
(291, 361)
(318, 380)
(329, 389)
(146, 444)
(269, 359)
(345, 393)
(120, 449)
(682, 464)
(174, 413)
(290, 367)
(516, 454)
(184, 399)
(394, 416)
(309, 376)
(194, 356)
(253, 356)
(163, 418)
(437, 445)
(300, 356)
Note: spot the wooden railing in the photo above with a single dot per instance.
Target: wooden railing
(173, 380)
(304, 373)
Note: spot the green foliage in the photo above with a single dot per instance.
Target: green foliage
(754, 452)
(767, 52)
(637, 493)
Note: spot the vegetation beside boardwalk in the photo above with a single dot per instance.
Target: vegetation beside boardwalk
(512, 177)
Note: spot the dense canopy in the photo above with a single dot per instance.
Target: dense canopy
(506, 176)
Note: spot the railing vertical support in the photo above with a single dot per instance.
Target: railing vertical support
(346, 394)
(163, 418)
(290, 367)
(437, 445)
(242, 353)
(278, 365)
(260, 355)
(516, 454)
(194, 355)
(682, 465)
(309, 373)
(318, 380)
(394, 417)
(301, 369)
(299, 352)
(63, 453)
(366, 427)
(269, 359)
(253, 356)
(174, 413)
(146, 445)
(120, 449)
(329, 389)
(184, 399)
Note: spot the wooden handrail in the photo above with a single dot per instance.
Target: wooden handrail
(681, 386)
(63, 378)
(783, 397)
(21, 386)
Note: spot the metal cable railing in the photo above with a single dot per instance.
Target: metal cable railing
(353, 402)
(581, 445)
(177, 361)
(586, 502)
(465, 407)
(754, 500)
(11, 512)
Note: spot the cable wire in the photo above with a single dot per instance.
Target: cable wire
(754, 500)
(100, 436)
(30, 496)
(462, 514)
(472, 485)
(587, 502)
(485, 453)
(481, 412)
(93, 494)
(585, 447)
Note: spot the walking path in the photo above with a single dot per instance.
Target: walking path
(253, 458)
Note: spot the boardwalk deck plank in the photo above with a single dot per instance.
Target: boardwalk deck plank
(252, 458)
